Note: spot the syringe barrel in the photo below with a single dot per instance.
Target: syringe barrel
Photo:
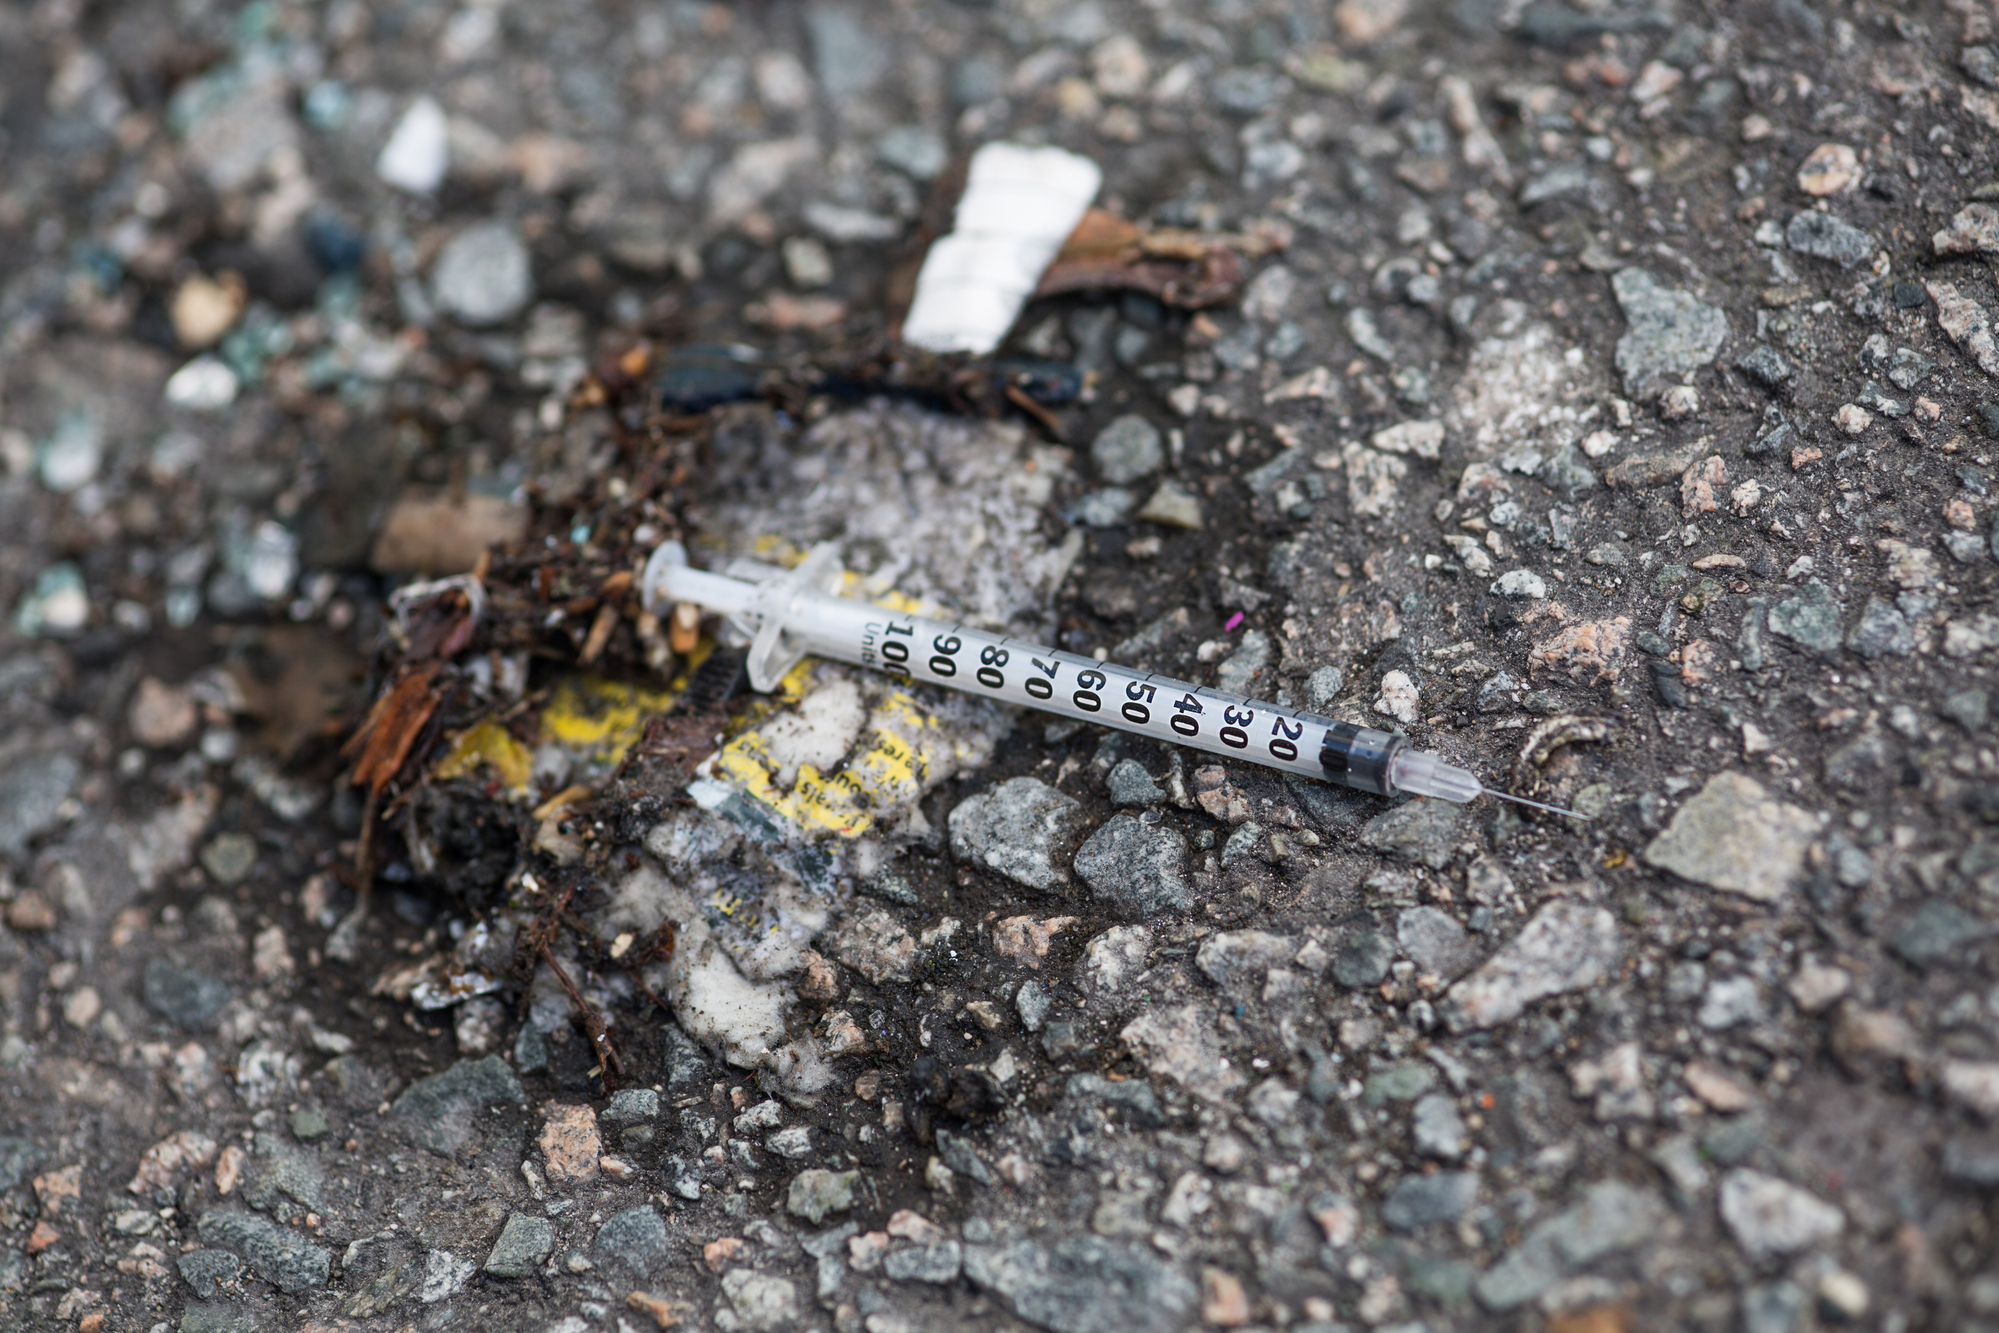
(983, 663)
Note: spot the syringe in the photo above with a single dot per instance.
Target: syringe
(789, 614)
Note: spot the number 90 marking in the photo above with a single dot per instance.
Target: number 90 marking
(945, 645)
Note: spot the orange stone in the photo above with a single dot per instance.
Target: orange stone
(570, 1145)
(720, 1253)
(56, 1186)
(1698, 662)
(1025, 939)
(42, 1237)
(228, 1169)
(1596, 1319)
(820, 981)
(1588, 653)
(1223, 1301)
(91, 1322)
(165, 1160)
(657, 1306)
(1718, 1088)
(1832, 168)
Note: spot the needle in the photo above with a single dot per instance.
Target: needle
(1538, 805)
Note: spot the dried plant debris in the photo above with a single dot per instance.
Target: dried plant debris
(1186, 269)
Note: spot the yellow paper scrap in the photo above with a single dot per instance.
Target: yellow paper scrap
(600, 719)
(887, 770)
(487, 745)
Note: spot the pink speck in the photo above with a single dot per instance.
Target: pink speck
(1233, 621)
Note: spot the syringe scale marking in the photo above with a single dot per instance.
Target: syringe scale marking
(1145, 702)
(790, 614)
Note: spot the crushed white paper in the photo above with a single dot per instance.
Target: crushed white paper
(1019, 205)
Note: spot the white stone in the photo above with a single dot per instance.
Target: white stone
(483, 274)
(1115, 958)
(1372, 480)
(1817, 985)
(205, 384)
(1975, 1083)
(1728, 1002)
(271, 563)
(1269, 294)
(1469, 553)
(1617, 1081)
(1425, 439)
(74, 452)
(849, 226)
(1769, 1216)
(761, 1302)
(1521, 583)
(1513, 392)
(1568, 946)
(1735, 836)
(418, 152)
(806, 262)
(1192, 1195)
(1180, 1043)
(782, 83)
(1398, 698)
(444, 1273)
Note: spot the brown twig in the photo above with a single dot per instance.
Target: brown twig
(364, 849)
(594, 1026)
(1018, 397)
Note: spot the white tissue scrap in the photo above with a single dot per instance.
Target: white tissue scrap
(819, 731)
(719, 1006)
(1019, 205)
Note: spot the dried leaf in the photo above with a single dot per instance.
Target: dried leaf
(1182, 268)
(389, 732)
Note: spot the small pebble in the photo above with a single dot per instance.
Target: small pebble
(1831, 168)
(418, 151)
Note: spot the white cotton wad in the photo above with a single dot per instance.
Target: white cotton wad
(1019, 205)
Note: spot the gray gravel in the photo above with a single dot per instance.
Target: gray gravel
(1607, 405)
